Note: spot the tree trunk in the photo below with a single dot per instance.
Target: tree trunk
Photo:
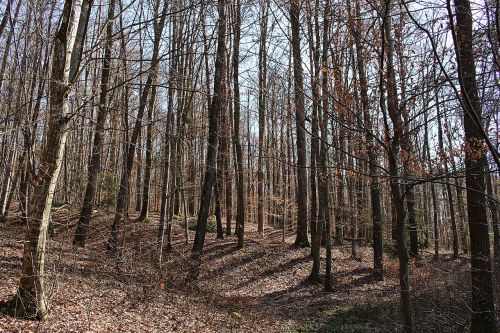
(301, 195)
(449, 192)
(31, 298)
(483, 304)
(240, 173)
(496, 228)
(314, 58)
(378, 263)
(218, 102)
(262, 116)
(124, 190)
(435, 207)
(394, 156)
(149, 154)
(95, 158)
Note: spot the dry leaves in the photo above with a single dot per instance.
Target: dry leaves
(259, 289)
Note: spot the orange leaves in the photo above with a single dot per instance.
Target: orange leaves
(475, 148)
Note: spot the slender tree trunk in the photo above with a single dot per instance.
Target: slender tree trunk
(460, 202)
(8, 43)
(449, 192)
(394, 156)
(435, 207)
(218, 102)
(168, 151)
(378, 264)
(219, 186)
(124, 190)
(262, 115)
(483, 304)
(138, 171)
(495, 223)
(240, 172)
(314, 44)
(324, 222)
(31, 298)
(8, 175)
(149, 154)
(5, 17)
(301, 195)
(95, 158)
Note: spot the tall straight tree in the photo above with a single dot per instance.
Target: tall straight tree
(5, 17)
(31, 299)
(483, 304)
(218, 102)
(314, 44)
(449, 191)
(240, 174)
(378, 265)
(145, 206)
(406, 142)
(392, 111)
(102, 112)
(435, 205)
(168, 150)
(262, 113)
(123, 192)
(323, 176)
(300, 123)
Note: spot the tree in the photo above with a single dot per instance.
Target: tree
(95, 157)
(240, 173)
(323, 175)
(300, 123)
(378, 265)
(217, 103)
(262, 114)
(314, 45)
(449, 192)
(392, 111)
(31, 299)
(123, 193)
(483, 304)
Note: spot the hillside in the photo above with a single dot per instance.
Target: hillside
(262, 288)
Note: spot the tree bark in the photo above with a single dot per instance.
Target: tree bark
(483, 304)
(218, 102)
(31, 298)
(394, 151)
(124, 190)
(314, 45)
(301, 195)
(95, 158)
(240, 173)
(262, 115)
(449, 192)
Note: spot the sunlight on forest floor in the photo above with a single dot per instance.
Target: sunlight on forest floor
(261, 288)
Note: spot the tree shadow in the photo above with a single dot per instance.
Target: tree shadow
(343, 318)
(274, 270)
(370, 278)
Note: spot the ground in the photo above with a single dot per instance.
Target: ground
(261, 288)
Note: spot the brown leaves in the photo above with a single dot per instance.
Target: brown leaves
(260, 289)
(475, 149)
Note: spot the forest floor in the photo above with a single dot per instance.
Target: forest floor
(261, 288)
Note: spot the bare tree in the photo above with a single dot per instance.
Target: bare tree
(95, 158)
(31, 299)
(300, 116)
(483, 304)
(217, 103)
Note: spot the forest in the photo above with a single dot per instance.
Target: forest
(249, 166)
